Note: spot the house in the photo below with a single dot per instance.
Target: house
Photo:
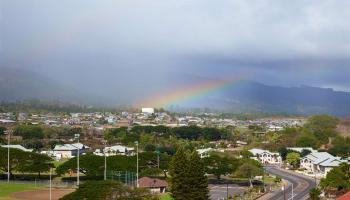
(203, 153)
(147, 110)
(69, 150)
(320, 163)
(345, 196)
(241, 143)
(116, 150)
(7, 121)
(266, 157)
(16, 146)
(154, 184)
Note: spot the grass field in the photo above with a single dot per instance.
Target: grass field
(166, 197)
(7, 189)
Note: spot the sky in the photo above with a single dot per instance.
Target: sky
(153, 45)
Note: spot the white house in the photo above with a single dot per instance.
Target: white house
(319, 163)
(69, 150)
(17, 146)
(116, 150)
(147, 110)
(265, 156)
(203, 153)
(7, 121)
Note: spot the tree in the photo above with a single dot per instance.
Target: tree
(307, 140)
(29, 131)
(2, 130)
(305, 152)
(17, 158)
(198, 181)
(220, 165)
(277, 179)
(314, 194)
(246, 154)
(322, 127)
(36, 163)
(283, 152)
(178, 171)
(341, 146)
(24, 161)
(112, 190)
(93, 165)
(150, 147)
(293, 159)
(338, 179)
(248, 170)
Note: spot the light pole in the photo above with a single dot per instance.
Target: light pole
(50, 183)
(77, 136)
(8, 133)
(104, 152)
(157, 152)
(292, 191)
(137, 164)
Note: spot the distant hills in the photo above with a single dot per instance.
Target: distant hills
(243, 96)
(304, 100)
(19, 84)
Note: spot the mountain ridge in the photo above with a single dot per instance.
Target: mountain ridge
(243, 96)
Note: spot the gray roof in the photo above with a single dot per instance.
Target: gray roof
(261, 151)
(16, 146)
(70, 147)
(324, 159)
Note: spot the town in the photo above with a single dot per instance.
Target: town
(137, 148)
(174, 100)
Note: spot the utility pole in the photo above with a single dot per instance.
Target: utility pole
(8, 133)
(50, 183)
(292, 191)
(77, 136)
(264, 179)
(137, 164)
(104, 152)
(157, 152)
(315, 181)
(227, 190)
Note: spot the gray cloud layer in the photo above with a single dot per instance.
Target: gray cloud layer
(118, 42)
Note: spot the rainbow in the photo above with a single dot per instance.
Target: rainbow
(188, 93)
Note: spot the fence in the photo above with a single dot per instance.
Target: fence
(126, 177)
(44, 183)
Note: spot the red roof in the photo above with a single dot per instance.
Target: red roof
(146, 182)
(346, 196)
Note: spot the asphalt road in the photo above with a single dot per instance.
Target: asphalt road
(301, 185)
(218, 192)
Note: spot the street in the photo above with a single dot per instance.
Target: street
(301, 185)
(218, 192)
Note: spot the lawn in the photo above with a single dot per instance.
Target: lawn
(7, 189)
(166, 197)
(59, 162)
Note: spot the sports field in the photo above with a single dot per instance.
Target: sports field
(16, 191)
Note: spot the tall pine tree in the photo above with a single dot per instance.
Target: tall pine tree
(187, 177)
(198, 181)
(178, 171)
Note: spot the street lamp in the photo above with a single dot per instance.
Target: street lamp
(8, 133)
(50, 183)
(77, 136)
(104, 152)
(137, 163)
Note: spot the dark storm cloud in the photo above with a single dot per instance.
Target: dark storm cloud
(111, 43)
